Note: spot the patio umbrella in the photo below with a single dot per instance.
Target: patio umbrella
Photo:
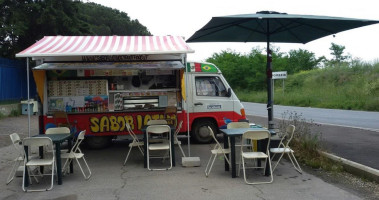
(268, 26)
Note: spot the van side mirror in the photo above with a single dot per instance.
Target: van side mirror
(229, 93)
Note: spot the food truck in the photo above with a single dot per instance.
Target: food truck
(104, 82)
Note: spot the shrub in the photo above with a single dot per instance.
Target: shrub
(307, 142)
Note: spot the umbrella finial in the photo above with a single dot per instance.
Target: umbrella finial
(270, 12)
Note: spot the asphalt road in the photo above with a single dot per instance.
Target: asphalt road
(343, 137)
(346, 118)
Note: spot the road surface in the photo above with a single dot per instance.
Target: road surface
(347, 118)
(353, 135)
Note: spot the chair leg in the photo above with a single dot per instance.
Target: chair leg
(297, 166)
(88, 169)
(127, 156)
(13, 171)
(208, 170)
(277, 162)
(180, 147)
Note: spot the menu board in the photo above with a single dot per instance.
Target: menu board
(77, 88)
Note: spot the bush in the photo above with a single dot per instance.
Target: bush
(307, 142)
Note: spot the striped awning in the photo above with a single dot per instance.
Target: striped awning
(105, 45)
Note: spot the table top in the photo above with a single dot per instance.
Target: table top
(56, 137)
(240, 131)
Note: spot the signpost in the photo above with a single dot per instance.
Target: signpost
(279, 75)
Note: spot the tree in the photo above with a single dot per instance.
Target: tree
(25, 22)
(337, 52)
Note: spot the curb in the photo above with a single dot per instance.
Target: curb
(355, 168)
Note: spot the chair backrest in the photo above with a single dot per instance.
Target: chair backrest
(257, 135)
(178, 127)
(131, 132)
(44, 142)
(170, 110)
(157, 122)
(158, 129)
(61, 116)
(15, 138)
(290, 130)
(238, 125)
(214, 137)
(58, 130)
(75, 148)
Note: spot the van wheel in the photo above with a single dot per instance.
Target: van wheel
(98, 142)
(200, 131)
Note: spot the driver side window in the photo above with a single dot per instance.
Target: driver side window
(210, 86)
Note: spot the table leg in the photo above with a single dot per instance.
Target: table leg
(26, 177)
(226, 146)
(233, 156)
(172, 148)
(59, 162)
(145, 149)
(69, 143)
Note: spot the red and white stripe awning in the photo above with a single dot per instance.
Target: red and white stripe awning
(106, 45)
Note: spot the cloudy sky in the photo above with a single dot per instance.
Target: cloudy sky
(184, 18)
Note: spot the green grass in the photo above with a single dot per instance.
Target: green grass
(339, 87)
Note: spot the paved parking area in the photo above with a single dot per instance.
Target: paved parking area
(111, 180)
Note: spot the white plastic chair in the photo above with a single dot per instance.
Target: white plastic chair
(134, 143)
(164, 146)
(256, 135)
(285, 149)
(217, 150)
(47, 160)
(176, 141)
(76, 153)
(16, 141)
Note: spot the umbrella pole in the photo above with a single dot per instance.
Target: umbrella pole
(270, 105)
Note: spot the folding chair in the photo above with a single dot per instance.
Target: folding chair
(285, 149)
(164, 146)
(176, 141)
(76, 153)
(157, 122)
(15, 138)
(256, 135)
(169, 111)
(47, 160)
(134, 143)
(61, 119)
(217, 150)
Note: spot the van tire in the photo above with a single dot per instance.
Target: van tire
(200, 132)
(98, 142)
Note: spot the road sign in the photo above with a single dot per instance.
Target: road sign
(279, 75)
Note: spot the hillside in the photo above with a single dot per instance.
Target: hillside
(353, 87)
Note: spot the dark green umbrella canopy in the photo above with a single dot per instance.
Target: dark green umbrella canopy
(268, 26)
(280, 27)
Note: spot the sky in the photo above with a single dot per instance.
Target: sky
(185, 17)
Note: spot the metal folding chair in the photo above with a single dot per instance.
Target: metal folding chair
(76, 153)
(246, 155)
(285, 149)
(134, 143)
(217, 150)
(47, 160)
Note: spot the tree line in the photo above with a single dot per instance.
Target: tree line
(249, 70)
(24, 22)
